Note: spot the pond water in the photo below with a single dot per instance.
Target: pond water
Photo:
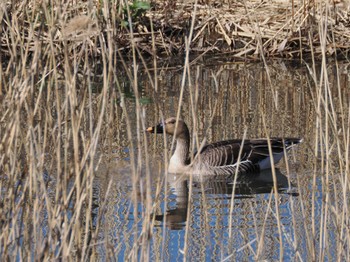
(106, 193)
(205, 221)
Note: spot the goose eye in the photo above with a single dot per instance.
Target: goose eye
(172, 121)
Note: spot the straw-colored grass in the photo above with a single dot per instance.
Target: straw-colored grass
(243, 29)
(67, 69)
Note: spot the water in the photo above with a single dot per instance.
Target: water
(195, 220)
(138, 212)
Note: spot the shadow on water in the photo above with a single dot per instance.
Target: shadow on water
(221, 189)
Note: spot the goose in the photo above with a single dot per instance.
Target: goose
(221, 158)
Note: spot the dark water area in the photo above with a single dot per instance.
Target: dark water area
(205, 220)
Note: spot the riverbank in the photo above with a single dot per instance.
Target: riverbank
(252, 28)
(247, 29)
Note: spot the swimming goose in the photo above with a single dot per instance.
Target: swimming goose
(221, 158)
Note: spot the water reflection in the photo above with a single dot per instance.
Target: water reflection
(176, 216)
(248, 187)
(220, 102)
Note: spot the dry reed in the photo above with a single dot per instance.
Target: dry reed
(56, 119)
(244, 30)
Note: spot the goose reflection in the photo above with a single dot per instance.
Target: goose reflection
(176, 218)
(262, 183)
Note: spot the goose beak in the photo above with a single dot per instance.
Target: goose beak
(150, 129)
(156, 129)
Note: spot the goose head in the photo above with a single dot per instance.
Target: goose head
(169, 127)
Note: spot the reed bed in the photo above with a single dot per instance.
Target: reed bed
(66, 71)
(245, 29)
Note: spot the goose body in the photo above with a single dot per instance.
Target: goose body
(221, 158)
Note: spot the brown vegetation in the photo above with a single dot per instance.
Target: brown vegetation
(245, 29)
(75, 88)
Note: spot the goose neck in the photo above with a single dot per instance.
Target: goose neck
(181, 151)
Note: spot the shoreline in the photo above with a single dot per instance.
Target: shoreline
(254, 30)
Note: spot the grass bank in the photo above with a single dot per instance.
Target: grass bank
(247, 29)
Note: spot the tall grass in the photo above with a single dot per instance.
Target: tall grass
(51, 129)
(62, 87)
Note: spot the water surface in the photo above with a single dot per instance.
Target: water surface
(206, 221)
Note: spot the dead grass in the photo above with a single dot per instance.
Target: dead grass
(246, 29)
(55, 119)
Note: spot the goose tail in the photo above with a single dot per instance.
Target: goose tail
(291, 141)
